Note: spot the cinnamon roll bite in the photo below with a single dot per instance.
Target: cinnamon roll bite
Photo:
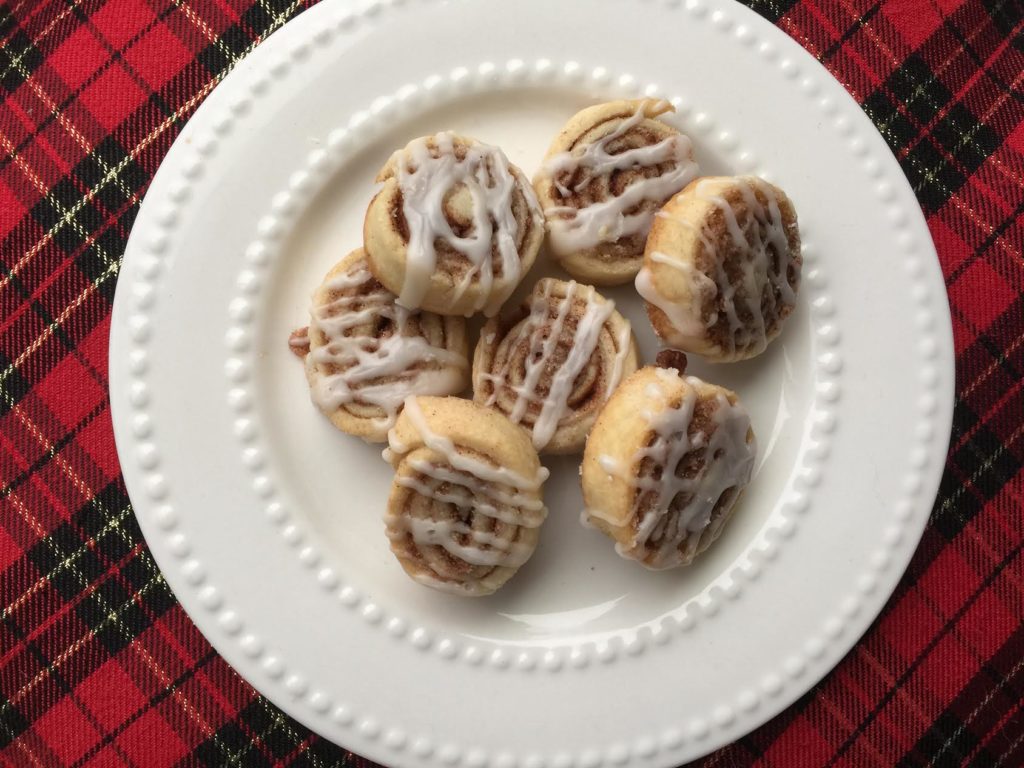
(551, 363)
(466, 503)
(366, 354)
(721, 269)
(606, 174)
(454, 227)
(664, 466)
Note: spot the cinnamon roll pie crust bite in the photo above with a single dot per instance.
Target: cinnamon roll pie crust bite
(466, 503)
(721, 269)
(606, 174)
(552, 362)
(366, 354)
(664, 466)
(454, 228)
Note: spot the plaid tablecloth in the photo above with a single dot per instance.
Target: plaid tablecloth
(100, 666)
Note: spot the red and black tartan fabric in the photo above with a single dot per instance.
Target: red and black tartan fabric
(99, 665)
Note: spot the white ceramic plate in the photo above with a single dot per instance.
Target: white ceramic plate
(267, 522)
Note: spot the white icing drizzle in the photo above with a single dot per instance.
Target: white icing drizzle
(665, 536)
(381, 372)
(625, 337)
(761, 231)
(542, 342)
(426, 183)
(586, 520)
(575, 229)
(515, 500)
(684, 316)
(609, 464)
(506, 497)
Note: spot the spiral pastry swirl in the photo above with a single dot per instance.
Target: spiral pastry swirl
(454, 227)
(465, 508)
(550, 364)
(367, 354)
(664, 466)
(606, 174)
(722, 267)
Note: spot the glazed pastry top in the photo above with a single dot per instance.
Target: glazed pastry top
(469, 502)
(560, 335)
(615, 213)
(430, 171)
(357, 362)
